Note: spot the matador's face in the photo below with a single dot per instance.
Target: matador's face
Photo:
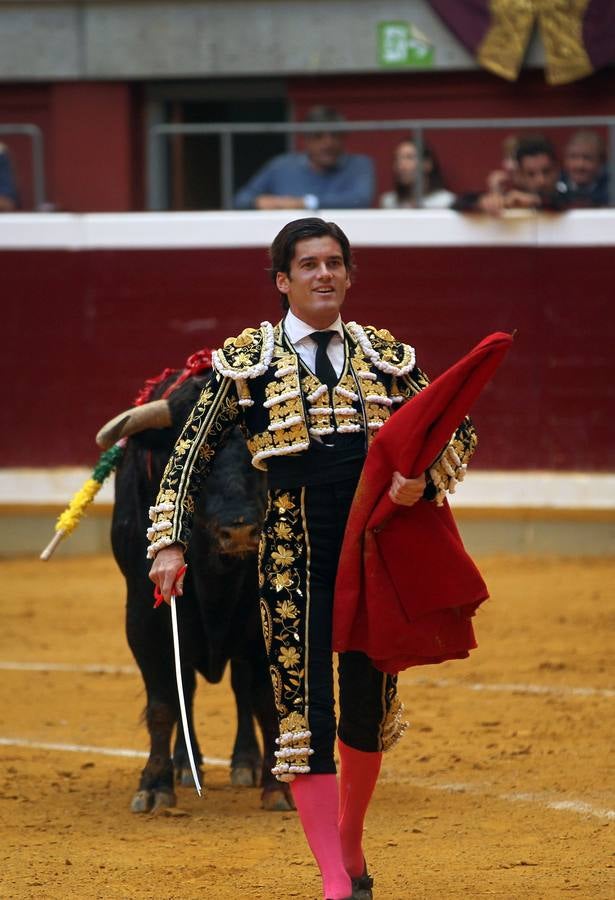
(318, 281)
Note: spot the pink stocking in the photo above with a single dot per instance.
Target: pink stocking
(317, 800)
(358, 776)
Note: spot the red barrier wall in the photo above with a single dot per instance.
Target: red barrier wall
(84, 329)
(92, 143)
(92, 138)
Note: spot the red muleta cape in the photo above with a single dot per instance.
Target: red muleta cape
(406, 589)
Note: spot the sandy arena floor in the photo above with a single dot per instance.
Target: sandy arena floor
(502, 787)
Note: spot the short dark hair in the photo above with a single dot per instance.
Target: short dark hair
(323, 114)
(533, 146)
(282, 249)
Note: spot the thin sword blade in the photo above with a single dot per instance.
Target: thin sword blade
(180, 692)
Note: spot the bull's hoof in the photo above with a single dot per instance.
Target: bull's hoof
(163, 800)
(142, 802)
(277, 800)
(184, 777)
(244, 776)
(151, 801)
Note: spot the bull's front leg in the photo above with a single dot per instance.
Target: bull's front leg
(181, 761)
(246, 760)
(149, 639)
(156, 785)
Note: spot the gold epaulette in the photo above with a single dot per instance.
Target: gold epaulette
(246, 356)
(383, 350)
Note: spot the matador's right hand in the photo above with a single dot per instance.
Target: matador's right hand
(165, 571)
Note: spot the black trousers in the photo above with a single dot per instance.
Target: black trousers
(299, 553)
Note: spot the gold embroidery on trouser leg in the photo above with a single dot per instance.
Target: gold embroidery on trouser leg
(393, 725)
(308, 599)
(267, 625)
(276, 683)
(384, 707)
(295, 751)
(284, 598)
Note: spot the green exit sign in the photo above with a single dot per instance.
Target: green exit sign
(402, 45)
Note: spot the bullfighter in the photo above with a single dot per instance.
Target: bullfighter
(310, 393)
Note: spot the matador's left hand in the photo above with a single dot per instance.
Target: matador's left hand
(406, 491)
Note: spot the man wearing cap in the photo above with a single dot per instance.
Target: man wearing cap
(324, 177)
(310, 393)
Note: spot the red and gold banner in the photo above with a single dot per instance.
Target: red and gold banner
(578, 35)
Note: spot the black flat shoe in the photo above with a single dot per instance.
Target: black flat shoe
(362, 886)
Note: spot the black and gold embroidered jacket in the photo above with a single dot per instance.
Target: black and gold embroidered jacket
(261, 383)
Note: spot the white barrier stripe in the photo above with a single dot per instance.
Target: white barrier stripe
(364, 227)
(93, 668)
(544, 491)
(538, 689)
(553, 690)
(72, 748)
(546, 800)
(102, 751)
(578, 806)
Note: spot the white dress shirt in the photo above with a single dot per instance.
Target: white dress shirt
(298, 333)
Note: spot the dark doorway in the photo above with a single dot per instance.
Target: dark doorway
(194, 161)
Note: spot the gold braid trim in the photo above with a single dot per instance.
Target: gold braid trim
(295, 751)
(450, 467)
(215, 411)
(561, 27)
(246, 356)
(503, 47)
(384, 352)
(394, 724)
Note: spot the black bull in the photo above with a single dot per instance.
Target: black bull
(218, 614)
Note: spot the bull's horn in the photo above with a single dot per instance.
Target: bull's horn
(156, 414)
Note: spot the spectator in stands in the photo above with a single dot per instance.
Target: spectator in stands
(584, 181)
(322, 177)
(8, 188)
(505, 178)
(405, 166)
(537, 185)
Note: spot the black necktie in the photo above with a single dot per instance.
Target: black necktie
(324, 369)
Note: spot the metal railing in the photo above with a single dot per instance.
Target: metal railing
(38, 158)
(225, 131)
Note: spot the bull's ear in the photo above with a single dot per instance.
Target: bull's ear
(156, 414)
